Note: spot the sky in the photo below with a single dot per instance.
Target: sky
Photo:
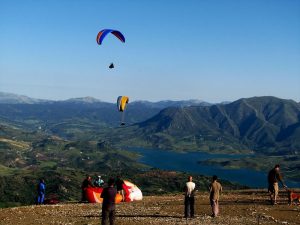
(211, 50)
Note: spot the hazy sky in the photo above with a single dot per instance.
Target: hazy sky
(213, 50)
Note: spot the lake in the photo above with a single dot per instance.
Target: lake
(190, 162)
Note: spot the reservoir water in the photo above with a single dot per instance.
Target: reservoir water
(191, 162)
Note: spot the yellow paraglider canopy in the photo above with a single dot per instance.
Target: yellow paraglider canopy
(122, 102)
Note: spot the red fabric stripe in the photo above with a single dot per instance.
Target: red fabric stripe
(98, 36)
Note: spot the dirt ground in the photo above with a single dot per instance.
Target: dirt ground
(241, 207)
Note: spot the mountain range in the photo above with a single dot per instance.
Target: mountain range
(9, 98)
(86, 113)
(262, 124)
(64, 140)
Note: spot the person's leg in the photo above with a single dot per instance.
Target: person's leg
(276, 191)
(112, 216)
(42, 198)
(212, 204)
(192, 204)
(83, 195)
(39, 199)
(105, 214)
(216, 207)
(271, 193)
(186, 207)
(271, 196)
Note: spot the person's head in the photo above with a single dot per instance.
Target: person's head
(111, 182)
(277, 167)
(88, 177)
(99, 177)
(190, 178)
(214, 178)
(42, 180)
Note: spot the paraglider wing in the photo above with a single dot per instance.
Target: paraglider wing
(122, 102)
(93, 195)
(132, 192)
(102, 34)
(119, 35)
(119, 103)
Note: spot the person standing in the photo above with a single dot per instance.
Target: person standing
(274, 177)
(87, 182)
(189, 199)
(108, 206)
(215, 189)
(41, 192)
(119, 184)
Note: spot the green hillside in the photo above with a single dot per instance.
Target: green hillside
(27, 156)
(262, 124)
(62, 143)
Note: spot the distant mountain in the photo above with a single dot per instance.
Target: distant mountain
(169, 103)
(88, 100)
(266, 124)
(9, 98)
(77, 116)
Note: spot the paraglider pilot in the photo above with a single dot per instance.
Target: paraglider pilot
(111, 66)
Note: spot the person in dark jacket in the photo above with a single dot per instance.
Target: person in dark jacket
(274, 177)
(87, 182)
(108, 206)
(120, 190)
(41, 192)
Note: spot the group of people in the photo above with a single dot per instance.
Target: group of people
(98, 182)
(109, 193)
(89, 182)
(215, 189)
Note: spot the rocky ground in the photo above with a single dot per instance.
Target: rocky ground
(240, 207)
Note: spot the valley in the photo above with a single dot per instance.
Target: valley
(63, 141)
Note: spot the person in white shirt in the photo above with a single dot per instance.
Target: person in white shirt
(189, 200)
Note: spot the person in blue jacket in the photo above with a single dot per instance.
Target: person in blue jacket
(41, 192)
